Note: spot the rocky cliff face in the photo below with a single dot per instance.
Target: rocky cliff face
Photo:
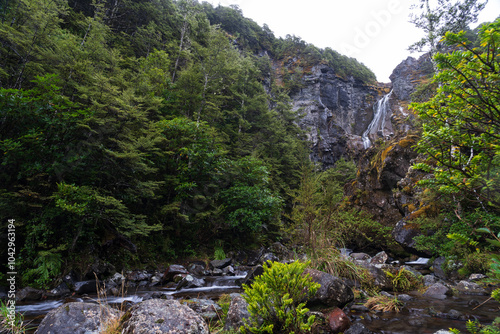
(385, 177)
(336, 112)
(336, 115)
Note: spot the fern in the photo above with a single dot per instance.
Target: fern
(464, 240)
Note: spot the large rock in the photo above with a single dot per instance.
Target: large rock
(86, 287)
(163, 316)
(380, 279)
(471, 288)
(207, 308)
(220, 264)
(333, 291)
(78, 318)
(404, 233)
(437, 291)
(173, 270)
(358, 328)
(338, 320)
(409, 74)
(29, 293)
(237, 313)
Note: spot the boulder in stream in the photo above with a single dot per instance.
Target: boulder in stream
(437, 291)
(174, 269)
(237, 312)
(78, 318)
(358, 328)
(471, 288)
(220, 264)
(207, 308)
(29, 293)
(333, 291)
(163, 316)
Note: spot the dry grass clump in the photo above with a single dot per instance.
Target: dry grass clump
(384, 303)
(330, 260)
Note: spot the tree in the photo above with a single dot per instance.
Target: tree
(446, 15)
(461, 123)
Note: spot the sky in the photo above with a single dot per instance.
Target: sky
(375, 32)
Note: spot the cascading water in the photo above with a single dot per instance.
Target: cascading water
(379, 113)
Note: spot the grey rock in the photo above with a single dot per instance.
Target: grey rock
(335, 112)
(254, 272)
(207, 308)
(405, 234)
(196, 269)
(60, 290)
(163, 316)
(405, 77)
(437, 267)
(475, 277)
(237, 313)
(358, 328)
(77, 318)
(380, 279)
(268, 257)
(405, 297)
(437, 291)
(470, 288)
(86, 287)
(29, 293)
(220, 264)
(191, 282)
(333, 291)
(379, 258)
(172, 270)
(138, 276)
(360, 256)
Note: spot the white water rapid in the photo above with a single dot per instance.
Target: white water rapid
(379, 113)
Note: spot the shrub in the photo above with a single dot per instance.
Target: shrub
(276, 299)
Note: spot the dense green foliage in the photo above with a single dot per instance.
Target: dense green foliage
(276, 299)
(461, 122)
(138, 130)
(321, 218)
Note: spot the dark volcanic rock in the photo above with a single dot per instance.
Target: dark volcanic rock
(220, 264)
(407, 75)
(336, 112)
(163, 316)
(405, 233)
(29, 294)
(172, 270)
(85, 287)
(333, 291)
(358, 328)
(437, 291)
(77, 318)
(237, 313)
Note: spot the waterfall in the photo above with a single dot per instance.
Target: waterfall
(379, 113)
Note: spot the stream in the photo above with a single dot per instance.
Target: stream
(419, 315)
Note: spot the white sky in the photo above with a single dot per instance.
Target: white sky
(375, 32)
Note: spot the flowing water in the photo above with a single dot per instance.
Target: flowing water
(376, 127)
(419, 315)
